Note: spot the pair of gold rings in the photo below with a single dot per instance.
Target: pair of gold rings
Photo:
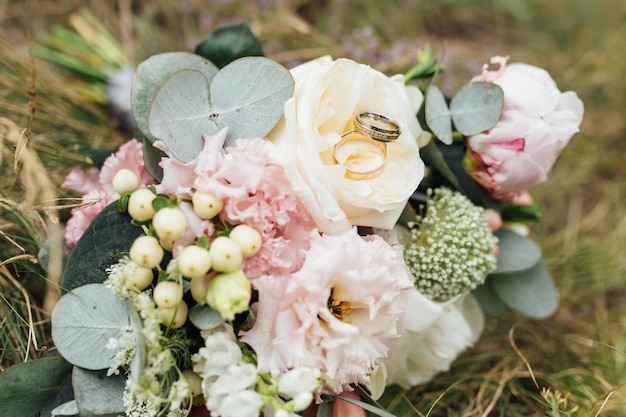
(363, 150)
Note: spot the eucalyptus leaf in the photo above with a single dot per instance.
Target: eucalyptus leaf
(69, 408)
(98, 394)
(477, 107)
(516, 253)
(247, 96)
(531, 292)
(227, 43)
(438, 115)
(108, 235)
(152, 72)
(204, 317)
(138, 361)
(433, 157)
(84, 320)
(152, 157)
(487, 298)
(27, 387)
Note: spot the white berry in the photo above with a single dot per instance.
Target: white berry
(226, 255)
(146, 252)
(140, 280)
(206, 205)
(169, 223)
(248, 239)
(194, 261)
(140, 205)
(125, 181)
(167, 294)
(194, 381)
(198, 288)
(175, 317)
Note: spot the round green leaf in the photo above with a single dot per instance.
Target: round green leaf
(204, 317)
(26, 388)
(247, 96)
(531, 292)
(227, 43)
(69, 408)
(477, 107)
(108, 235)
(437, 115)
(517, 253)
(98, 394)
(152, 72)
(84, 320)
(487, 297)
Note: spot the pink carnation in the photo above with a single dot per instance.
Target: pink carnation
(255, 191)
(339, 313)
(96, 185)
(128, 156)
(93, 203)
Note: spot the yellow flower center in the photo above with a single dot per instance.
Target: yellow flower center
(339, 309)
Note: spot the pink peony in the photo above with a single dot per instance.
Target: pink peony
(128, 156)
(339, 313)
(537, 122)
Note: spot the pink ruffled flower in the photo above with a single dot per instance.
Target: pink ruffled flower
(93, 203)
(537, 122)
(339, 313)
(255, 191)
(128, 156)
(96, 184)
(82, 181)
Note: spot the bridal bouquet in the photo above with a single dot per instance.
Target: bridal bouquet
(273, 240)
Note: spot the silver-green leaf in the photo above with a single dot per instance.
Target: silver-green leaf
(247, 96)
(153, 72)
(98, 394)
(476, 107)
(516, 252)
(69, 408)
(84, 320)
(438, 115)
(204, 317)
(531, 292)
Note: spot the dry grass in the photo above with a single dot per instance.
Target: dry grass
(520, 367)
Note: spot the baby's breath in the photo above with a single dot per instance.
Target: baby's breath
(451, 248)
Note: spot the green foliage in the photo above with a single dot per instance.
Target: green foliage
(204, 317)
(85, 319)
(530, 292)
(110, 234)
(98, 394)
(228, 43)
(247, 97)
(473, 109)
(516, 253)
(152, 73)
(27, 387)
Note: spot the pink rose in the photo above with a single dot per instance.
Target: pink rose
(537, 122)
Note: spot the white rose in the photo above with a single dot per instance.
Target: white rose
(328, 96)
(425, 349)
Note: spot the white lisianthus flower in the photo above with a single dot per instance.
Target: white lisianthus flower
(297, 380)
(425, 349)
(328, 96)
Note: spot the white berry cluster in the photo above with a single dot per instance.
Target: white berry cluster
(212, 265)
(451, 247)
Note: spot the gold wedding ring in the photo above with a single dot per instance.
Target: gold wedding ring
(363, 151)
(377, 126)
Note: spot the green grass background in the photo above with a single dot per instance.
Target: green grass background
(578, 355)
